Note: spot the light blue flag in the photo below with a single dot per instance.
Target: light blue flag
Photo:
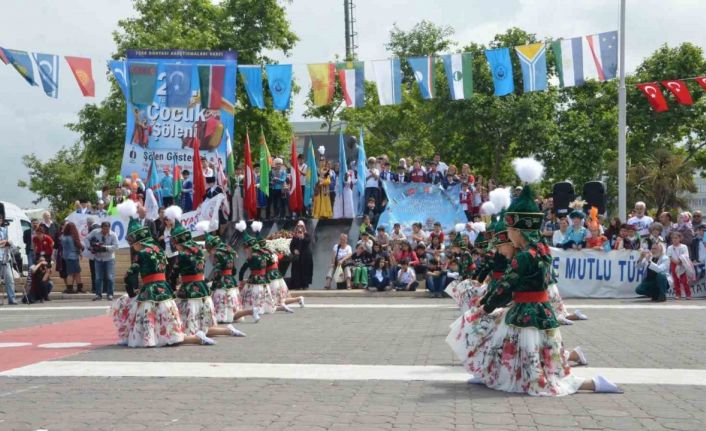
(423, 68)
(362, 170)
(252, 80)
(153, 180)
(119, 70)
(312, 175)
(178, 84)
(501, 69)
(22, 63)
(279, 80)
(343, 169)
(533, 61)
(48, 65)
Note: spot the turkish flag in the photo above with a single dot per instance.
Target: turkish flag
(81, 68)
(679, 90)
(701, 81)
(296, 200)
(250, 198)
(654, 95)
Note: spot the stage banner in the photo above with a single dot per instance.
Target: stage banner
(613, 274)
(166, 131)
(420, 202)
(207, 211)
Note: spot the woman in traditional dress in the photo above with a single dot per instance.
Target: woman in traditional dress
(151, 317)
(524, 351)
(278, 287)
(322, 201)
(224, 290)
(195, 306)
(256, 293)
(343, 206)
(302, 259)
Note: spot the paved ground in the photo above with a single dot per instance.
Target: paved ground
(405, 377)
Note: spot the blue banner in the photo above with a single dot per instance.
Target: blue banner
(165, 133)
(178, 77)
(423, 203)
(279, 79)
(252, 81)
(119, 70)
(48, 66)
(501, 68)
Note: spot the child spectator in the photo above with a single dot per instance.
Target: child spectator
(378, 278)
(358, 268)
(397, 236)
(678, 255)
(435, 277)
(437, 233)
(382, 238)
(466, 200)
(366, 226)
(406, 278)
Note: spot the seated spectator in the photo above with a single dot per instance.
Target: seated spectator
(436, 246)
(406, 278)
(358, 267)
(397, 236)
(576, 236)
(403, 252)
(436, 277)
(366, 226)
(559, 235)
(656, 281)
(418, 234)
(422, 263)
(437, 232)
(366, 241)
(379, 275)
(39, 281)
(341, 254)
(382, 238)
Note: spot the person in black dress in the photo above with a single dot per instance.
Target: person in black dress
(302, 260)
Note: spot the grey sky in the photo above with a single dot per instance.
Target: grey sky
(32, 122)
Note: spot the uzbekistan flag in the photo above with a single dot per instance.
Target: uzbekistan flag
(533, 61)
(211, 78)
(351, 75)
(388, 80)
(459, 73)
(322, 82)
(423, 69)
(569, 55)
(604, 52)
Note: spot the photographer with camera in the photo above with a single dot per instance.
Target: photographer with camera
(103, 244)
(6, 261)
(39, 281)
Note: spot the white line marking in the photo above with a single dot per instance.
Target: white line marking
(8, 345)
(63, 345)
(68, 307)
(432, 373)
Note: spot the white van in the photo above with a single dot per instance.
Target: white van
(18, 223)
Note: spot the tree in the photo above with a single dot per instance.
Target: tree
(250, 27)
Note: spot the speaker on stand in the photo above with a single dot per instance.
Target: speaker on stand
(595, 196)
(562, 194)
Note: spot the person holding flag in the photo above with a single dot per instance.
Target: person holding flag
(166, 186)
(296, 200)
(250, 197)
(312, 176)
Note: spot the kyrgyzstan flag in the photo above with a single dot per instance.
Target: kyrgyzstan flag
(654, 95)
(679, 90)
(250, 198)
(81, 68)
(211, 78)
(296, 200)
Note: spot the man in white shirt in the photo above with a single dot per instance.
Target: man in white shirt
(640, 220)
(440, 166)
(372, 182)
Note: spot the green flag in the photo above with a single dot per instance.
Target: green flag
(265, 163)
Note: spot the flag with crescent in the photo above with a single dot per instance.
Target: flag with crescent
(654, 95)
(423, 70)
(679, 90)
(119, 70)
(501, 69)
(279, 81)
(81, 68)
(701, 80)
(22, 63)
(48, 66)
(459, 73)
(178, 84)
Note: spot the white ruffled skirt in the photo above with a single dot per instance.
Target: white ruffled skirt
(226, 303)
(279, 290)
(259, 296)
(120, 312)
(197, 314)
(465, 294)
(154, 324)
(557, 303)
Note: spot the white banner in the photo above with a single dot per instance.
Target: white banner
(207, 211)
(612, 274)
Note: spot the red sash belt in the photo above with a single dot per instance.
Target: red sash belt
(273, 267)
(257, 271)
(529, 297)
(192, 278)
(154, 277)
(227, 272)
(497, 275)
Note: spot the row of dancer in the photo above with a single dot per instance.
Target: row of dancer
(152, 314)
(508, 336)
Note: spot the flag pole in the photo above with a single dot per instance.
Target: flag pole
(622, 123)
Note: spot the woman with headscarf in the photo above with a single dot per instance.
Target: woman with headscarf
(302, 259)
(322, 201)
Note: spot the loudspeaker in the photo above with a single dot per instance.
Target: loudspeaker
(595, 196)
(562, 194)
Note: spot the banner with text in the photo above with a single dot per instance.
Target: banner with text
(423, 203)
(177, 112)
(613, 274)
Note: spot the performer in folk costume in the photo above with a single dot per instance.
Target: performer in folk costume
(256, 294)
(524, 353)
(576, 236)
(224, 288)
(278, 287)
(460, 289)
(195, 306)
(150, 317)
(595, 240)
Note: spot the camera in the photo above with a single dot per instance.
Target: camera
(97, 246)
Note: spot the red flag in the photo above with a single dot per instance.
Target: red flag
(250, 198)
(701, 80)
(81, 68)
(654, 96)
(296, 200)
(679, 90)
(199, 180)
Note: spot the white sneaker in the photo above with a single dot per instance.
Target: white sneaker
(204, 339)
(580, 315)
(605, 386)
(255, 315)
(583, 360)
(301, 301)
(235, 332)
(475, 381)
(287, 309)
(565, 321)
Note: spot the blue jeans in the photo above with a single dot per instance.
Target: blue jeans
(9, 282)
(436, 284)
(105, 277)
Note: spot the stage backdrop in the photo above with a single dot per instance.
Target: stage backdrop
(420, 202)
(613, 274)
(167, 133)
